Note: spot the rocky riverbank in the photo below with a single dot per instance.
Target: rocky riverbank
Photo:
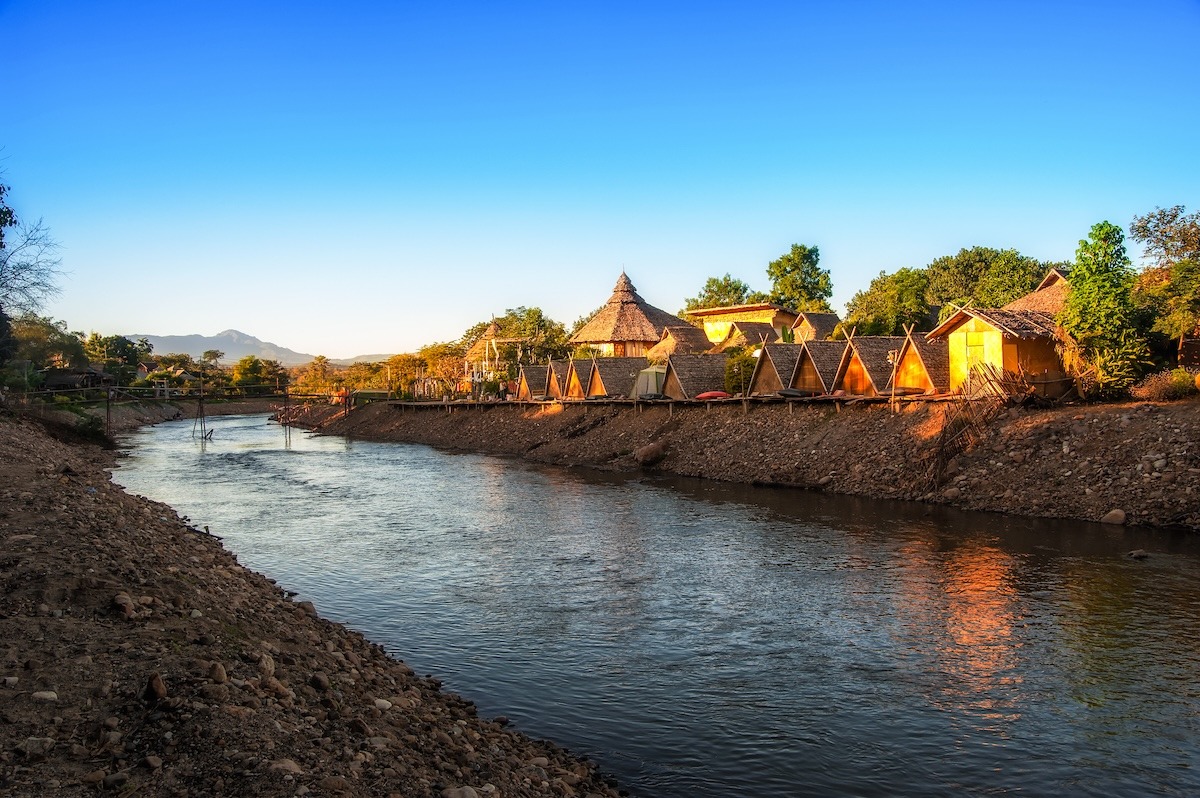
(138, 657)
(1085, 462)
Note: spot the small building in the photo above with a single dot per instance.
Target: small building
(774, 369)
(626, 326)
(556, 378)
(531, 384)
(615, 377)
(748, 335)
(717, 321)
(483, 361)
(685, 340)
(1014, 341)
(814, 326)
(688, 376)
(867, 364)
(817, 366)
(923, 366)
(578, 378)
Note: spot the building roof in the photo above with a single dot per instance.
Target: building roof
(823, 324)
(559, 367)
(826, 357)
(625, 317)
(1014, 323)
(731, 309)
(748, 333)
(583, 370)
(618, 374)
(698, 374)
(873, 352)
(935, 356)
(1049, 297)
(535, 377)
(783, 358)
(686, 340)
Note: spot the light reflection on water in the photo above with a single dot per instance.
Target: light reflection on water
(701, 639)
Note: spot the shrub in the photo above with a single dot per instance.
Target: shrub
(1166, 386)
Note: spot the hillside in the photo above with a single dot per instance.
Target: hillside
(237, 345)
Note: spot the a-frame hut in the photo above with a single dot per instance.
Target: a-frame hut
(923, 366)
(688, 376)
(749, 335)
(579, 377)
(531, 385)
(814, 326)
(685, 340)
(614, 377)
(773, 371)
(817, 366)
(556, 378)
(627, 325)
(866, 367)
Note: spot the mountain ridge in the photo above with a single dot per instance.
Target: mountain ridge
(237, 345)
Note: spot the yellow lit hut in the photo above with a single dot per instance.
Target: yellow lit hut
(923, 366)
(817, 366)
(556, 378)
(531, 385)
(614, 377)
(814, 326)
(685, 340)
(626, 326)
(718, 321)
(1013, 341)
(866, 366)
(688, 376)
(579, 377)
(748, 335)
(773, 371)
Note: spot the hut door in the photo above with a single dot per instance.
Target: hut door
(619, 350)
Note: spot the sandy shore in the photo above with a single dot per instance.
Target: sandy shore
(138, 657)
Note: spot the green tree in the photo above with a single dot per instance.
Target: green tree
(984, 277)
(1169, 289)
(403, 371)
(117, 354)
(889, 303)
(718, 292)
(46, 342)
(533, 336)
(739, 368)
(317, 376)
(363, 376)
(248, 373)
(798, 282)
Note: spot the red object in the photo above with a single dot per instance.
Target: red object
(712, 395)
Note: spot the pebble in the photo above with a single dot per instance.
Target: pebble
(286, 766)
(320, 680)
(11, 681)
(153, 762)
(44, 695)
(1113, 517)
(382, 704)
(459, 792)
(217, 674)
(115, 779)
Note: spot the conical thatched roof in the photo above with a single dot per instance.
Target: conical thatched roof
(626, 317)
(685, 340)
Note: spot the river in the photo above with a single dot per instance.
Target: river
(707, 639)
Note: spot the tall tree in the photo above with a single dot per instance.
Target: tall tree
(1168, 234)
(889, 303)
(718, 292)
(984, 277)
(46, 342)
(798, 282)
(1169, 289)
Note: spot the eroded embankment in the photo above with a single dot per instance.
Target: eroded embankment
(1074, 462)
(138, 656)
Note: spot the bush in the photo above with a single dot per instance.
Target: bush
(1167, 386)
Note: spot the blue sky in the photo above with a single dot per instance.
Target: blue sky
(352, 178)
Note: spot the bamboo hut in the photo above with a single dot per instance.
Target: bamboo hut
(817, 366)
(556, 378)
(922, 367)
(579, 377)
(748, 334)
(689, 376)
(614, 377)
(867, 364)
(1018, 342)
(773, 371)
(627, 325)
(685, 340)
(814, 326)
(531, 384)
(718, 321)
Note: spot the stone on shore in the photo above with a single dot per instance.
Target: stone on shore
(1113, 517)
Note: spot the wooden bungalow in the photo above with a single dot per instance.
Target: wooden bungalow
(685, 340)
(531, 384)
(923, 366)
(615, 377)
(626, 326)
(1014, 341)
(749, 335)
(814, 326)
(579, 377)
(718, 321)
(688, 376)
(817, 366)
(774, 369)
(556, 378)
(867, 364)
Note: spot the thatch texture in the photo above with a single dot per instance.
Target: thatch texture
(615, 376)
(626, 317)
(817, 366)
(1049, 297)
(690, 375)
(532, 383)
(685, 340)
(748, 334)
(1026, 324)
(815, 326)
(923, 364)
(866, 367)
(774, 369)
(556, 378)
(579, 377)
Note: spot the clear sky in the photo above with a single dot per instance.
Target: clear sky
(362, 177)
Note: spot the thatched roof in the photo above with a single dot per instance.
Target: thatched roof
(935, 356)
(783, 358)
(727, 310)
(873, 352)
(685, 340)
(559, 367)
(1014, 323)
(1049, 297)
(826, 357)
(626, 317)
(535, 378)
(748, 333)
(618, 374)
(698, 374)
(823, 324)
(583, 371)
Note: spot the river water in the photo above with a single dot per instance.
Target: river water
(702, 639)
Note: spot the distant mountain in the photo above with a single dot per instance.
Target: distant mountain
(236, 345)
